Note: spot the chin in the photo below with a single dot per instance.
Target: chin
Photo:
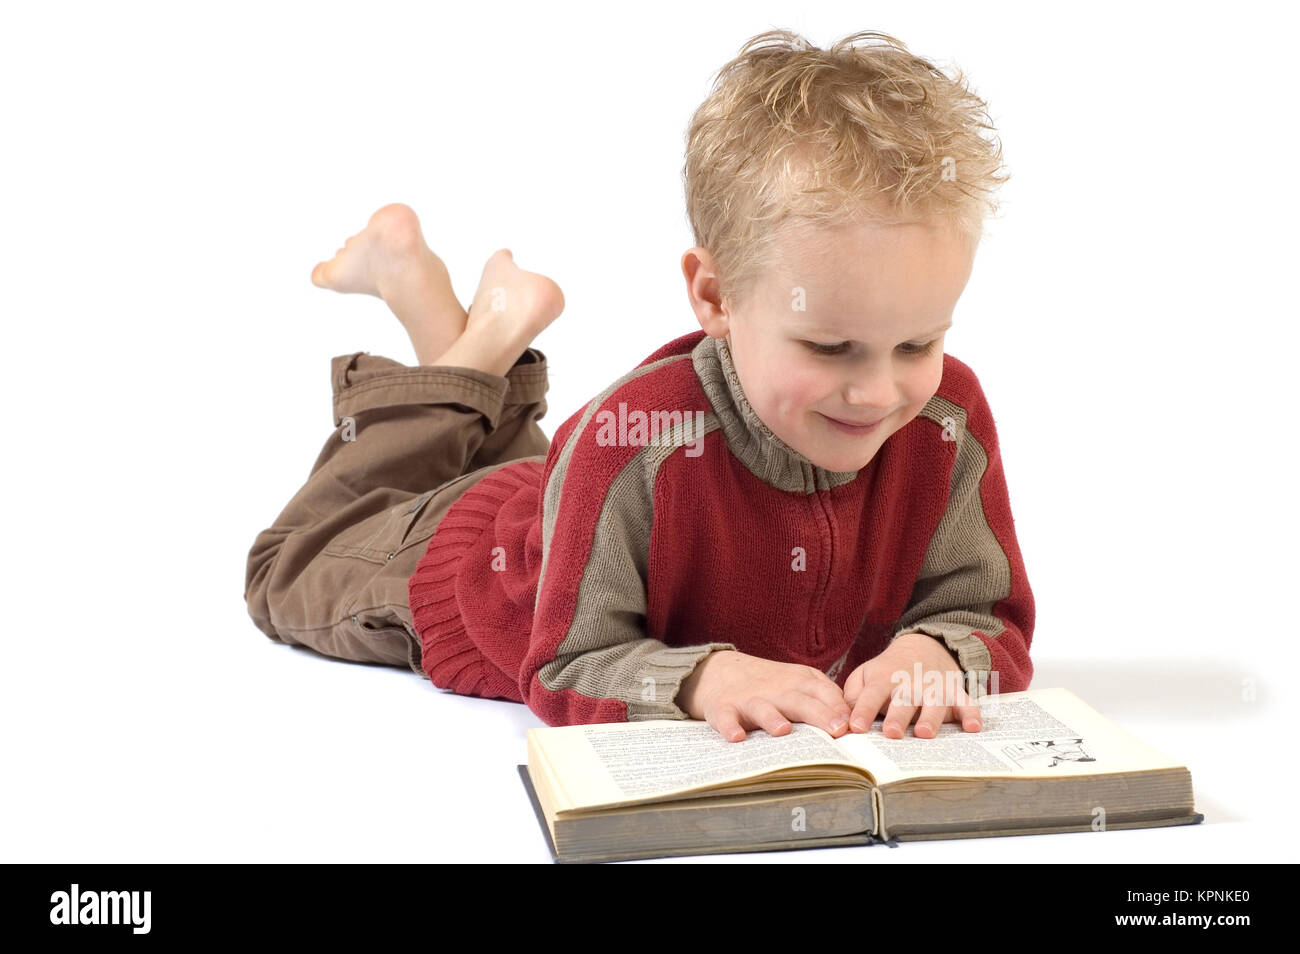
(854, 464)
(843, 461)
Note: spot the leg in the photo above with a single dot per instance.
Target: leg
(389, 259)
(331, 572)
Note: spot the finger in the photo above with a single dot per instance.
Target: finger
(927, 726)
(969, 716)
(897, 719)
(830, 696)
(853, 685)
(963, 710)
(726, 719)
(803, 707)
(768, 717)
(967, 712)
(937, 707)
(904, 699)
(872, 700)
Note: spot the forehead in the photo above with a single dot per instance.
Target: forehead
(851, 279)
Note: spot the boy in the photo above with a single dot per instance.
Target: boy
(796, 514)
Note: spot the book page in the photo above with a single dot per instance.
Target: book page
(1038, 733)
(618, 762)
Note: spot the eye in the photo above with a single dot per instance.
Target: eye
(827, 349)
(910, 349)
(915, 349)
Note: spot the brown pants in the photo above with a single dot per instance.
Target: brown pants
(331, 573)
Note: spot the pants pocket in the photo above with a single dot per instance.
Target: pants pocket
(378, 538)
(429, 508)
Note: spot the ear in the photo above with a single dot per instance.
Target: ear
(702, 287)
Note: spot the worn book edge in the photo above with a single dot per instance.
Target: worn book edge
(864, 838)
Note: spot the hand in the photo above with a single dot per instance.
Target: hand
(735, 692)
(873, 684)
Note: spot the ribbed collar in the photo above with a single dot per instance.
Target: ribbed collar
(764, 454)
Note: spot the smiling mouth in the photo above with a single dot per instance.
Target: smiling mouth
(856, 425)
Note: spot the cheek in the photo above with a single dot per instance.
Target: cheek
(922, 383)
(797, 392)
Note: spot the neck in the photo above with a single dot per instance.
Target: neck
(765, 455)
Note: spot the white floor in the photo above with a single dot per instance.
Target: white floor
(263, 752)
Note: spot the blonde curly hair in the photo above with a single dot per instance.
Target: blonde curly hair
(794, 137)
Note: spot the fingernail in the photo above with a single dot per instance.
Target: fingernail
(859, 725)
(838, 724)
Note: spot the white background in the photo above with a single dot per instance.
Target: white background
(172, 173)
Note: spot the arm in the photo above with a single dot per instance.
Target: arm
(589, 658)
(972, 593)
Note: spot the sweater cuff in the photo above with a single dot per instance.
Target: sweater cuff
(664, 671)
(968, 649)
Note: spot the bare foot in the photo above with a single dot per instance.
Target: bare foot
(510, 309)
(390, 260)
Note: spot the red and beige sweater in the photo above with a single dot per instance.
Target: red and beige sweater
(667, 522)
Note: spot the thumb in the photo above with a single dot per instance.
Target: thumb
(853, 686)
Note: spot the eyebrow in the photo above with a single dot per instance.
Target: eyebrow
(935, 331)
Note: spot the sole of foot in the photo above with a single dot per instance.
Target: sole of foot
(389, 250)
(510, 308)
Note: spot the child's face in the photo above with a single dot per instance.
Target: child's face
(879, 296)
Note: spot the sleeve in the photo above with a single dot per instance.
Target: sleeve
(589, 658)
(972, 593)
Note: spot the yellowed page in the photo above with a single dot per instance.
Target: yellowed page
(1040, 733)
(619, 763)
(549, 788)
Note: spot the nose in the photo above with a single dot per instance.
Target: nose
(874, 390)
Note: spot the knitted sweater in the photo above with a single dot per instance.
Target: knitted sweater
(590, 582)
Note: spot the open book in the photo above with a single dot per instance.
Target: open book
(1044, 762)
